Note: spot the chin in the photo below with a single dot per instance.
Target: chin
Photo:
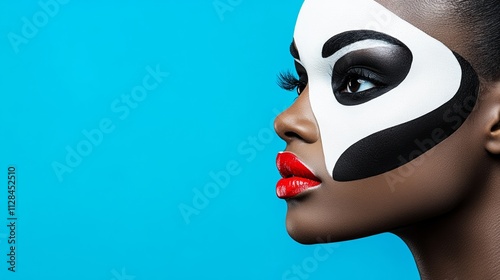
(301, 235)
(307, 229)
(307, 224)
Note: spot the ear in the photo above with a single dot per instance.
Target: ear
(493, 141)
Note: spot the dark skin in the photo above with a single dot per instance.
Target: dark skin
(464, 242)
(447, 210)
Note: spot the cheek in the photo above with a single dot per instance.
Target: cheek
(439, 179)
(431, 185)
(390, 148)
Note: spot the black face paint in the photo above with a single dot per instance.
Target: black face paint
(347, 38)
(393, 147)
(382, 93)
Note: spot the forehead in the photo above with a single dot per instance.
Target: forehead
(438, 18)
(435, 18)
(319, 20)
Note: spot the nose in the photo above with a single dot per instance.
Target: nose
(298, 121)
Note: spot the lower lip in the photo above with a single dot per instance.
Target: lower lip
(291, 187)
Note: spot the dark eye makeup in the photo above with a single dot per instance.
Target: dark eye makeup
(360, 75)
(358, 81)
(363, 75)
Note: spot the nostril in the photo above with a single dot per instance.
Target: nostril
(292, 134)
(494, 128)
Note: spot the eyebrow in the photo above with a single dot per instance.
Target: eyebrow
(293, 50)
(344, 39)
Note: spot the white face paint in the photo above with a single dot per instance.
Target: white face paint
(384, 131)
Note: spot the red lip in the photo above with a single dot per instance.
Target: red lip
(296, 176)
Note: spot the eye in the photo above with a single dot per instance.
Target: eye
(367, 73)
(356, 84)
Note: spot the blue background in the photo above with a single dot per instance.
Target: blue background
(115, 213)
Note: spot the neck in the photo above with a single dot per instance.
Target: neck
(463, 243)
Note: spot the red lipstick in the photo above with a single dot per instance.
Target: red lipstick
(296, 176)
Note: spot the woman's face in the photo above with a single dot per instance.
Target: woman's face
(381, 135)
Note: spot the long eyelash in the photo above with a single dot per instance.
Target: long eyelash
(287, 81)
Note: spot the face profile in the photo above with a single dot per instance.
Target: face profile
(394, 129)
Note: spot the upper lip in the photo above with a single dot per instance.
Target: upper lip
(289, 165)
